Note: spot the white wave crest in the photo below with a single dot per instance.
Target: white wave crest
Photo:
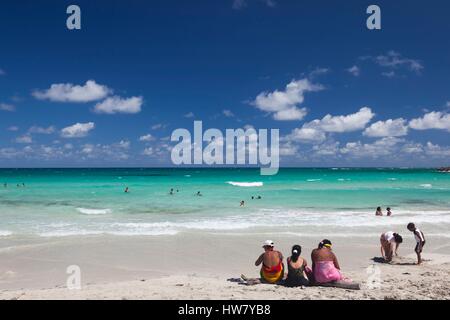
(246, 184)
(94, 211)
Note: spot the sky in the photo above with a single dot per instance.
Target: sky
(112, 93)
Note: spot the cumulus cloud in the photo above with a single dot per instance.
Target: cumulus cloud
(307, 135)
(147, 138)
(148, 151)
(394, 59)
(68, 92)
(158, 126)
(382, 147)
(42, 130)
(78, 130)
(240, 4)
(7, 107)
(432, 120)
(388, 128)
(24, 139)
(389, 74)
(117, 104)
(354, 70)
(227, 113)
(316, 130)
(13, 128)
(352, 122)
(284, 104)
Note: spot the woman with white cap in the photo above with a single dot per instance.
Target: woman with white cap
(272, 269)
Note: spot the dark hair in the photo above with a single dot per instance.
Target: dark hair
(388, 208)
(324, 242)
(398, 238)
(296, 251)
(411, 226)
(378, 208)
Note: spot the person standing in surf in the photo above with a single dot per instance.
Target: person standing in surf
(420, 240)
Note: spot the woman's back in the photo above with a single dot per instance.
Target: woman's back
(296, 271)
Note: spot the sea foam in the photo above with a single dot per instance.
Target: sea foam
(246, 184)
(94, 211)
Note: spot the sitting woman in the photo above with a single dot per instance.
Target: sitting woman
(325, 264)
(272, 269)
(390, 242)
(296, 269)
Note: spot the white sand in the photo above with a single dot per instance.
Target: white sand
(200, 266)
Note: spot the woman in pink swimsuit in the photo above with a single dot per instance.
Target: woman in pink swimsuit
(325, 264)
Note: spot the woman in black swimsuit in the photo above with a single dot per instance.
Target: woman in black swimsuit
(296, 269)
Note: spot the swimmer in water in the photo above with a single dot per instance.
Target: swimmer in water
(259, 197)
(171, 191)
(242, 203)
(127, 190)
(389, 212)
(199, 194)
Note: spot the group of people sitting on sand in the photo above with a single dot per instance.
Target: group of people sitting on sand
(325, 267)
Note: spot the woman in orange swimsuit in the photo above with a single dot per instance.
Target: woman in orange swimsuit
(272, 269)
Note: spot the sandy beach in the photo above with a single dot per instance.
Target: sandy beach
(206, 266)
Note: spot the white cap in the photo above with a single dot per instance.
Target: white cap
(268, 243)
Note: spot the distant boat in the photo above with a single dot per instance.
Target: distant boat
(444, 169)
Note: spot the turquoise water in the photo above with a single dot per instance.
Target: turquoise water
(341, 201)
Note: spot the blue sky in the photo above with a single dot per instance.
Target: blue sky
(111, 93)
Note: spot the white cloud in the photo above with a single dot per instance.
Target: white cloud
(7, 107)
(431, 120)
(67, 92)
(148, 151)
(227, 113)
(293, 113)
(388, 128)
(382, 147)
(158, 126)
(77, 130)
(189, 115)
(146, 138)
(2, 72)
(436, 150)
(24, 139)
(123, 144)
(117, 104)
(307, 135)
(13, 128)
(318, 72)
(41, 130)
(395, 60)
(347, 123)
(316, 130)
(284, 104)
(354, 70)
(240, 4)
(389, 74)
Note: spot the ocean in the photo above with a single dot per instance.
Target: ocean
(333, 202)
